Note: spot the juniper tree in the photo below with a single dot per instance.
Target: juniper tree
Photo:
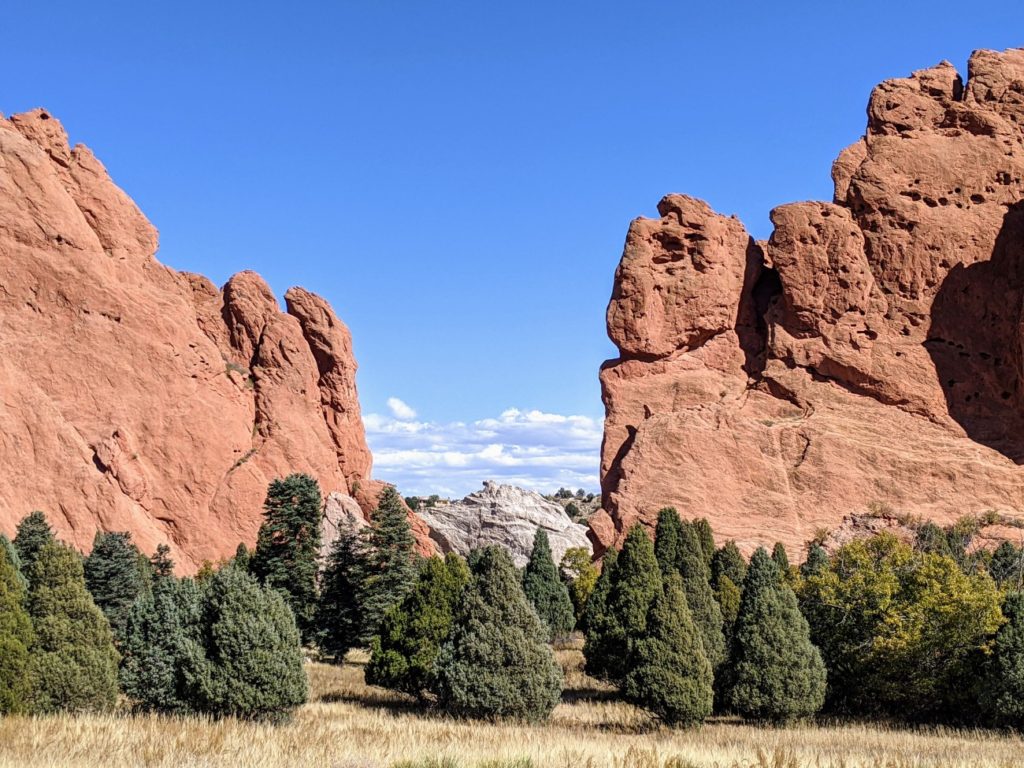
(545, 590)
(495, 662)
(670, 675)
(114, 577)
(386, 564)
(74, 664)
(668, 534)
(817, 560)
(246, 660)
(32, 534)
(1007, 565)
(338, 618)
(12, 554)
(155, 648)
(16, 636)
(403, 654)
(601, 630)
(288, 545)
(728, 561)
(1004, 690)
(781, 559)
(775, 673)
(620, 619)
(706, 539)
(163, 565)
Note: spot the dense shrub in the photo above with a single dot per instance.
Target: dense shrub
(288, 545)
(16, 635)
(901, 631)
(404, 653)
(246, 659)
(670, 675)
(155, 648)
(774, 673)
(545, 590)
(495, 662)
(115, 577)
(74, 664)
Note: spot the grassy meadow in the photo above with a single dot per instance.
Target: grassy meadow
(348, 724)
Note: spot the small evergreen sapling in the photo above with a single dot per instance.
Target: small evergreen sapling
(495, 662)
(545, 590)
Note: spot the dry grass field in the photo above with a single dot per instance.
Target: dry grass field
(350, 725)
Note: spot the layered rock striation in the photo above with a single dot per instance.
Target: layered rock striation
(134, 397)
(869, 353)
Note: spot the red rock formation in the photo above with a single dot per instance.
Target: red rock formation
(139, 398)
(869, 353)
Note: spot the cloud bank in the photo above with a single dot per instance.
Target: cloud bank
(533, 449)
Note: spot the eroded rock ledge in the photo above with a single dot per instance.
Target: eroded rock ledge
(869, 352)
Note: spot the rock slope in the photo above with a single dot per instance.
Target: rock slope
(870, 352)
(134, 397)
(504, 515)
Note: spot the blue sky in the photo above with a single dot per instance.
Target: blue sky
(457, 177)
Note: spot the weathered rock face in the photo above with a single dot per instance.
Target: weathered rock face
(134, 397)
(504, 515)
(869, 352)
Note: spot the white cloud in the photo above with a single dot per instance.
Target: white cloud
(533, 449)
(400, 410)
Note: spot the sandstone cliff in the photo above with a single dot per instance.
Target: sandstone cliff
(870, 352)
(134, 397)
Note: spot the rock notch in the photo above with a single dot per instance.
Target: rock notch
(134, 397)
(870, 352)
(504, 515)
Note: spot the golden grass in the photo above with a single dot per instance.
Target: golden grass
(350, 725)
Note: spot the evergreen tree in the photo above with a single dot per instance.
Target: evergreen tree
(620, 619)
(288, 545)
(1004, 691)
(601, 630)
(74, 664)
(580, 576)
(775, 673)
(155, 647)
(242, 557)
(670, 675)
(12, 554)
(706, 539)
(545, 590)
(817, 560)
(247, 658)
(403, 654)
(706, 612)
(16, 636)
(728, 596)
(163, 565)
(1007, 566)
(386, 566)
(495, 662)
(668, 535)
(338, 618)
(728, 561)
(32, 534)
(781, 559)
(113, 577)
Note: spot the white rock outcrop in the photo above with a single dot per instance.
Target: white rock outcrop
(504, 515)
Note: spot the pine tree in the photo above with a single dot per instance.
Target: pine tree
(247, 659)
(634, 582)
(12, 554)
(163, 565)
(1005, 688)
(288, 545)
(155, 647)
(403, 654)
(671, 676)
(728, 561)
(495, 662)
(338, 618)
(580, 576)
(386, 566)
(706, 539)
(114, 578)
(32, 534)
(74, 664)
(16, 636)
(545, 590)
(775, 673)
